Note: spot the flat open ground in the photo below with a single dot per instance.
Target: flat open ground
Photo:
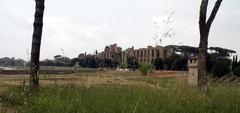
(116, 92)
(110, 77)
(85, 79)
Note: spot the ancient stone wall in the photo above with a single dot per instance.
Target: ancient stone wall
(146, 55)
(143, 55)
(112, 52)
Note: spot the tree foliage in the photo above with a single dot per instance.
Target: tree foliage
(176, 62)
(221, 52)
(221, 67)
(144, 69)
(184, 50)
(236, 71)
(158, 64)
(57, 61)
(132, 63)
(123, 65)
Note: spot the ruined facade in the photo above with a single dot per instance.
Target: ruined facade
(112, 52)
(146, 55)
(143, 55)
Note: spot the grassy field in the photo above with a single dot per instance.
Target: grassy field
(51, 68)
(47, 70)
(138, 95)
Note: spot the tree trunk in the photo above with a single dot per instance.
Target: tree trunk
(36, 43)
(202, 56)
(204, 28)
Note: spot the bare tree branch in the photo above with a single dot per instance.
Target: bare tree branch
(214, 12)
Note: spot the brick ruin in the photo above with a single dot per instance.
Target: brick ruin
(112, 52)
(143, 55)
(146, 55)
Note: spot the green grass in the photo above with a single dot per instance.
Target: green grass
(176, 98)
(53, 68)
(167, 82)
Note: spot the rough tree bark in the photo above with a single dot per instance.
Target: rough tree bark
(204, 27)
(36, 43)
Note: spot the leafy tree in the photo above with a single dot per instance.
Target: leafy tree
(235, 62)
(158, 64)
(88, 61)
(186, 51)
(204, 28)
(221, 52)
(100, 63)
(105, 63)
(170, 61)
(132, 62)
(36, 43)
(123, 65)
(221, 67)
(61, 60)
(211, 59)
(180, 64)
(47, 62)
(114, 64)
(144, 69)
(91, 62)
(116, 58)
(236, 71)
(176, 62)
(73, 61)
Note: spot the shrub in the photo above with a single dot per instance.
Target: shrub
(236, 71)
(170, 61)
(158, 63)
(123, 65)
(180, 64)
(221, 67)
(132, 63)
(144, 69)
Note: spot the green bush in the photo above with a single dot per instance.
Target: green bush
(132, 63)
(158, 64)
(221, 67)
(144, 69)
(236, 71)
(123, 65)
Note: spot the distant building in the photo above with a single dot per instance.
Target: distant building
(5, 61)
(112, 52)
(143, 55)
(146, 55)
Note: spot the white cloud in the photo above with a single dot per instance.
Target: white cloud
(73, 36)
(80, 26)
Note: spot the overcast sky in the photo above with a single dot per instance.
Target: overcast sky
(76, 26)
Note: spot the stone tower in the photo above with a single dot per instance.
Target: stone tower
(193, 71)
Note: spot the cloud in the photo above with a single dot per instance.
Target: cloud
(73, 36)
(182, 29)
(15, 33)
(80, 26)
